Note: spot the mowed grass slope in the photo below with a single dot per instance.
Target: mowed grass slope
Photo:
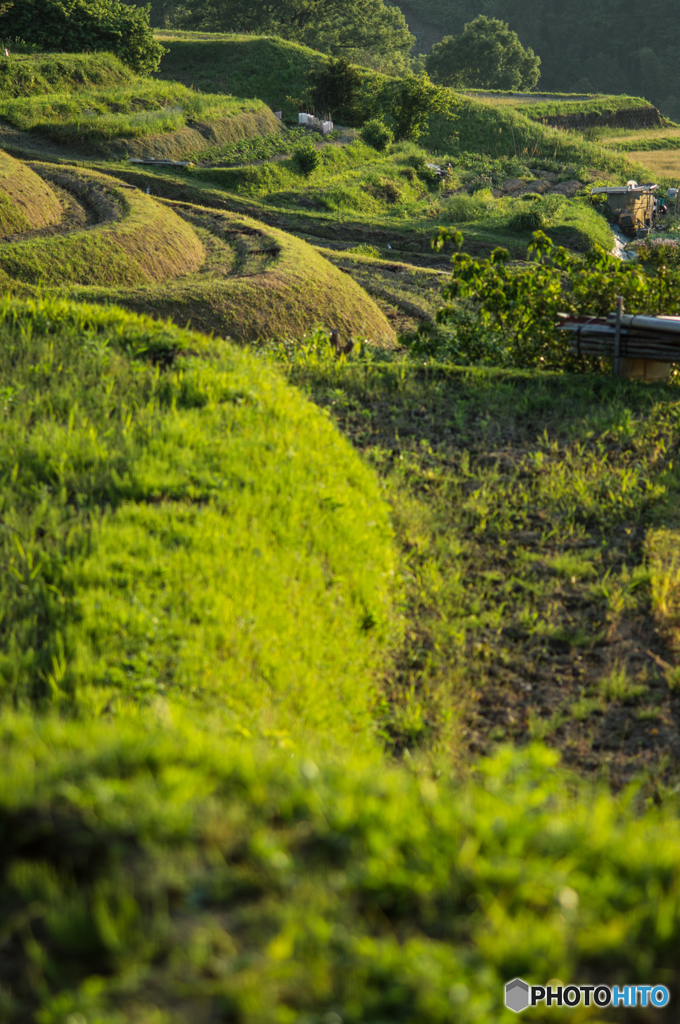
(33, 74)
(26, 201)
(257, 283)
(138, 241)
(179, 523)
(262, 67)
(222, 273)
(94, 105)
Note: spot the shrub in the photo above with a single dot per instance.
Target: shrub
(306, 157)
(385, 189)
(462, 208)
(377, 134)
(527, 220)
(659, 252)
(514, 309)
(77, 26)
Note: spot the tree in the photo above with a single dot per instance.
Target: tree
(76, 26)
(487, 55)
(409, 103)
(339, 27)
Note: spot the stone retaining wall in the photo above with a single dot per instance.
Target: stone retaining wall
(636, 118)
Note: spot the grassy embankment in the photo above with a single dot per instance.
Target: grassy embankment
(133, 454)
(26, 201)
(138, 241)
(219, 272)
(201, 571)
(256, 283)
(35, 74)
(93, 105)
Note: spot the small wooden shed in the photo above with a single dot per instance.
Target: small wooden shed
(632, 206)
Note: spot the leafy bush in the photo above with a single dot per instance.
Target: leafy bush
(659, 252)
(527, 220)
(377, 134)
(385, 189)
(462, 208)
(77, 26)
(335, 87)
(508, 315)
(409, 104)
(306, 158)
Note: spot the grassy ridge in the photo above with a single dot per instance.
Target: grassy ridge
(92, 102)
(225, 274)
(142, 242)
(595, 105)
(131, 111)
(256, 283)
(197, 532)
(26, 201)
(38, 73)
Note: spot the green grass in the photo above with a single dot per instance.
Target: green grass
(139, 242)
(256, 283)
(525, 506)
(151, 866)
(131, 111)
(597, 105)
(26, 202)
(252, 67)
(34, 74)
(179, 523)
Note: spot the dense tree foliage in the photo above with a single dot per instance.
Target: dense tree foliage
(487, 55)
(584, 45)
(74, 26)
(367, 31)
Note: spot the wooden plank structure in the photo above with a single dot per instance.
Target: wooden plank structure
(631, 206)
(640, 347)
(158, 163)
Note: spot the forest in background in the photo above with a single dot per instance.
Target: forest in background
(610, 46)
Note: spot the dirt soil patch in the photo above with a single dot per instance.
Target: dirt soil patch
(522, 505)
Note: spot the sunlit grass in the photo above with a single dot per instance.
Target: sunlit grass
(145, 108)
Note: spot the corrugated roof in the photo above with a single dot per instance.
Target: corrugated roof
(616, 190)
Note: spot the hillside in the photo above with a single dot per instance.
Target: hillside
(87, 106)
(339, 592)
(228, 275)
(582, 46)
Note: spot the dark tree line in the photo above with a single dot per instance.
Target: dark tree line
(617, 46)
